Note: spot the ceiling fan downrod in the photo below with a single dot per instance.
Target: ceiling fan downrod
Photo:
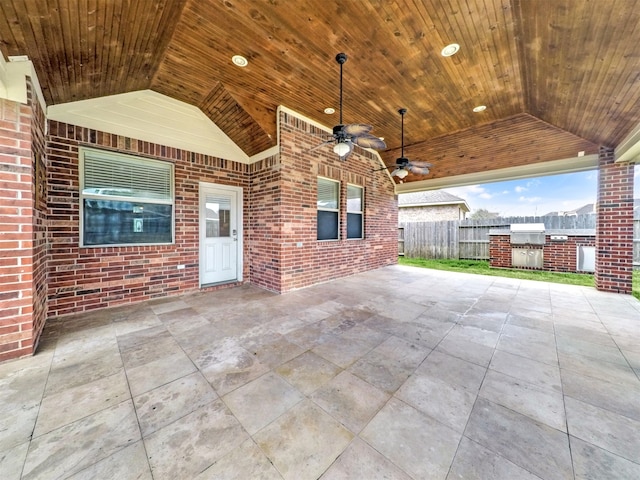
(402, 111)
(341, 58)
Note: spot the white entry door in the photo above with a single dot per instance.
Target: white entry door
(220, 235)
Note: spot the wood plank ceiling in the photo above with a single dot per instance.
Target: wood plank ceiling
(557, 76)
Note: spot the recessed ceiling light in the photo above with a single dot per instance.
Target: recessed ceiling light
(480, 108)
(329, 111)
(450, 50)
(239, 61)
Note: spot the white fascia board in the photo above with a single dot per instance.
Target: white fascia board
(431, 204)
(629, 149)
(13, 80)
(541, 169)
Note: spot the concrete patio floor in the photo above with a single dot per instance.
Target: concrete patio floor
(398, 373)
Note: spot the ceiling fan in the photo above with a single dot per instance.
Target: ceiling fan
(345, 137)
(403, 165)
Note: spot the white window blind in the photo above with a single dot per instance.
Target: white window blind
(116, 176)
(327, 194)
(354, 199)
(125, 200)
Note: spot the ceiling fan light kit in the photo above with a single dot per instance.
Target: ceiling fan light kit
(403, 165)
(342, 149)
(400, 173)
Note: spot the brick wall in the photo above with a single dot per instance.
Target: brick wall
(280, 248)
(44, 273)
(89, 278)
(40, 280)
(558, 256)
(265, 224)
(561, 256)
(614, 225)
(286, 255)
(23, 281)
(500, 251)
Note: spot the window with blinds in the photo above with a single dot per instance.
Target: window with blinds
(355, 211)
(328, 209)
(125, 200)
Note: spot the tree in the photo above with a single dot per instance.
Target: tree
(483, 214)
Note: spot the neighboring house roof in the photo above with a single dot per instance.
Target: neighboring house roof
(588, 208)
(431, 198)
(211, 214)
(584, 210)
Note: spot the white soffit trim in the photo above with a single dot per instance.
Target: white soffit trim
(13, 83)
(629, 149)
(152, 117)
(554, 167)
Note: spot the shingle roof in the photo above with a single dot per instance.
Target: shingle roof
(431, 197)
(584, 210)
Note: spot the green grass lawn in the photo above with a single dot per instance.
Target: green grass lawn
(482, 267)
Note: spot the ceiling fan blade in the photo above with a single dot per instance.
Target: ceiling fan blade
(356, 129)
(326, 142)
(419, 170)
(369, 141)
(418, 163)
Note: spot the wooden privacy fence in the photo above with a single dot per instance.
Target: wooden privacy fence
(469, 239)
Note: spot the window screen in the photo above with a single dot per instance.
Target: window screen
(125, 200)
(355, 215)
(328, 211)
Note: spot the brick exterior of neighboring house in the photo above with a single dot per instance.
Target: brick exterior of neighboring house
(430, 206)
(44, 272)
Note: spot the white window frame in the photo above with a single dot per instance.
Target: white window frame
(334, 210)
(359, 212)
(121, 158)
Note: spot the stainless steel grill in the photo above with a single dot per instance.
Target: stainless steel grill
(527, 233)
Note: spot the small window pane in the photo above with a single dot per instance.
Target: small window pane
(327, 225)
(354, 198)
(218, 211)
(327, 194)
(354, 225)
(354, 211)
(328, 209)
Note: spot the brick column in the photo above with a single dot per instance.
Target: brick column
(614, 227)
(16, 231)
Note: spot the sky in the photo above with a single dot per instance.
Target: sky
(536, 196)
